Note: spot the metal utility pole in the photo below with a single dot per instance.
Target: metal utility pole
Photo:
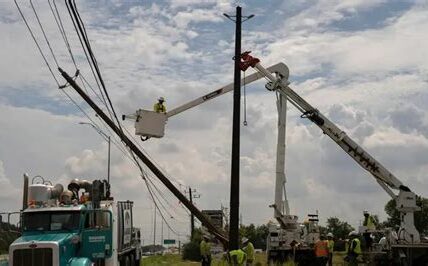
(106, 137)
(234, 182)
(155, 170)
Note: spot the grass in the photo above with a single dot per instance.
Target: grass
(175, 259)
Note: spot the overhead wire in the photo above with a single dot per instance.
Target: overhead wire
(87, 57)
(83, 80)
(44, 33)
(82, 30)
(37, 44)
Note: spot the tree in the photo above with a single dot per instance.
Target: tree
(421, 217)
(340, 229)
(256, 235)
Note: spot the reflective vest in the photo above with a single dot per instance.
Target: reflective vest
(354, 247)
(249, 250)
(330, 246)
(205, 248)
(240, 256)
(370, 223)
(321, 248)
(159, 108)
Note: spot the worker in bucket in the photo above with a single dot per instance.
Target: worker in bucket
(159, 107)
(353, 249)
(205, 248)
(249, 250)
(330, 245)
(369, 223)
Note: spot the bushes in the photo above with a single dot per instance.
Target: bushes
(191, 249)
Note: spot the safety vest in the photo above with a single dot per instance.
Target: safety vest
(330, 246)
(370, 223)
(321, 248)
(159, 108)
(354, 247)
(240, 256)
(205, 248)
(249, 250)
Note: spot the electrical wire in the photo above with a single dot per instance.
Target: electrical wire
(83, 80)
(82, 30)
(44, 33)
(37, 44)
(60, 25)
(87, 57)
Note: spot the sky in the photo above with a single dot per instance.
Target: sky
(361, 63)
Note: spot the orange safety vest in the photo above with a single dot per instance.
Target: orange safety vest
(321, 248)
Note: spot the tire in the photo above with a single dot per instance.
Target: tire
(127, 261)
(132, 260)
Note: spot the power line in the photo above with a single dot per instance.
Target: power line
(37, 44)
(44, 34)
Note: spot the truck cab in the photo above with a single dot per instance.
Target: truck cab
(61, 228)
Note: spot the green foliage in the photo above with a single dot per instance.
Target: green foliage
(191, 249)
(421, 217)
(8, 233)
(340, 229)
(256, 235)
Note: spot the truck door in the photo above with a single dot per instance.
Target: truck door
(97, 235)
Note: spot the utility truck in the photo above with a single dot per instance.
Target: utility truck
(288, 238)
(78, 226)
(406, 249)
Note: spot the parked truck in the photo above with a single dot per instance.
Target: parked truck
(78, 226)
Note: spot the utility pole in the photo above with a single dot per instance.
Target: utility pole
(192, 217)
(154, 229)
(234, 180)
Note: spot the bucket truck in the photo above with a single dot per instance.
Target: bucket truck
(288, 238)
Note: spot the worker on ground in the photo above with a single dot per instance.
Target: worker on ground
(330, 245)
(249, 250)
(369, 223)
(353, 249)
(237, 257)
(205, 248)
(159, 107)
(321, 251)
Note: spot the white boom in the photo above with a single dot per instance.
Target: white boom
(281, 68)
(405, 199)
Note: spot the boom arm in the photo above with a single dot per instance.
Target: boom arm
(280, 67)
(406, 199)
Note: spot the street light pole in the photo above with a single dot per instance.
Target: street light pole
(106, 137)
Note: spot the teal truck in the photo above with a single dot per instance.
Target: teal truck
(78, 226)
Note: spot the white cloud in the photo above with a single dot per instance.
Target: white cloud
(358, 79)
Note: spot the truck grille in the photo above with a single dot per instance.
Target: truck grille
(32, 257)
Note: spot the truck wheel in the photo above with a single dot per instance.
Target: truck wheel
(127, 261)
(132, 260)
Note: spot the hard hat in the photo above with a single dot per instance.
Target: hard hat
(244, 240)
(329, 235)
(161, 99)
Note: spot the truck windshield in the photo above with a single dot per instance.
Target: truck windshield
(51, 221)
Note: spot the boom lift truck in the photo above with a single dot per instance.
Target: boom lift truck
(406, 249)
(287, 239)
